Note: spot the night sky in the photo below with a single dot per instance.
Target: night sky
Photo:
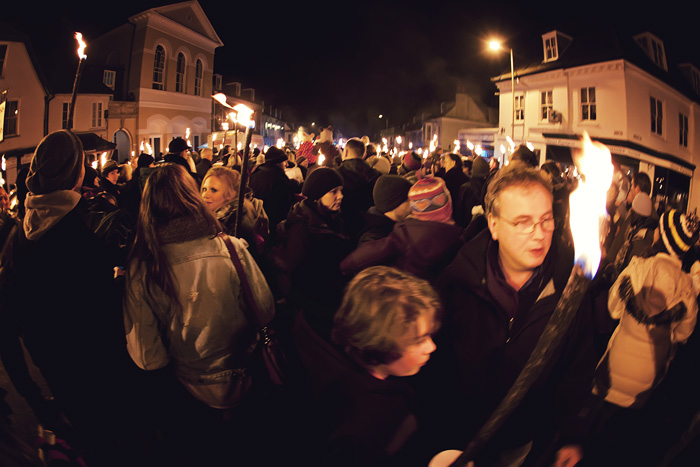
(344, 63)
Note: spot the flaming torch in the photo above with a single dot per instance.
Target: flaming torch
(78, 73)
(588, 219)
(245, 117)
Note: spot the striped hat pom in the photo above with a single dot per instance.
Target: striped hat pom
(678, 232)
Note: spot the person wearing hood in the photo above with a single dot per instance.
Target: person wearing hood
(315, 243)
(412, 245)
(59, 293)
(655, 300)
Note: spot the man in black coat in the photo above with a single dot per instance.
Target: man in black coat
(358, 183)
(499, 294)
(454, 176)
(270, 184)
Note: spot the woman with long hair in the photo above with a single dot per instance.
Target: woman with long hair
(220, 189)
(183, 302)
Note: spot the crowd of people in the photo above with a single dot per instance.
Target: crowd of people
(408, 293)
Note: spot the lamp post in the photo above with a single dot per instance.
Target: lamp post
(496, 45)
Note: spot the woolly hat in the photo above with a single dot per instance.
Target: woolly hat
(379, 163)
(677, 232)
(56, 163)
(480, 168)
(642, 204)
(430, 200)
(321, 181)
(145, 160)
(390, 191)
(275, 155)
(412, 161)
(177, 145)
(108, 167)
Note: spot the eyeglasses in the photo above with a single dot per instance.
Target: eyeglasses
(528, 226)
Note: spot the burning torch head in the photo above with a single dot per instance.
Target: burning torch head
(57, 163)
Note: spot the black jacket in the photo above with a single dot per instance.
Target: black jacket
(346, 416)
(454, 179)
(358, 184)
(315, 243)
(270, 184)
(482, 350)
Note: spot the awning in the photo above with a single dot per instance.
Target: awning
(561, 154)
(93, 143)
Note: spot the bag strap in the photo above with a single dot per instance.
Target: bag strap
(251, 310)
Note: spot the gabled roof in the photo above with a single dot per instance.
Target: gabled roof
(189, 14)
(10, 34)
(595, 45)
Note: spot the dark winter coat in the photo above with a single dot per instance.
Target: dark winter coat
(349, 417)
(482, 350)
(376, 225)
(358, 184)
(454, 179)
(60, 294)
(423, 248)
(471, 193)
(270, 184)
(315, 243)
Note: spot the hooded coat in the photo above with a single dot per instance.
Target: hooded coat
(655, 302)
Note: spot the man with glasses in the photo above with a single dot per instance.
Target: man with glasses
(498, 296)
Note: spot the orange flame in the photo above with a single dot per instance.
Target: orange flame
(81, 46)
(587, 204)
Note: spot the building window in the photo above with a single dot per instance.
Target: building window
(64, 115)
(180, 73)
(657, 116)
(588, 105)
(547, 104)
(3, 54)
(519, 107)
(551, 51)
(159, 69)
(196, 142)
(654, 48)
(695, 78)
(11, 125)
(108, 78)
(198, 78)
(97, 114)
(683, 130)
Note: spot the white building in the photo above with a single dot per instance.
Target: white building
(623, 92)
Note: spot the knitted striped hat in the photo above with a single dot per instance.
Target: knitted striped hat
(412, 160)
(430, 200)
(678, 232)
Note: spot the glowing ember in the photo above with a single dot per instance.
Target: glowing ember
(81, 46)
(587, 203)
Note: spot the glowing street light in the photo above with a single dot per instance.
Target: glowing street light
(496, 46)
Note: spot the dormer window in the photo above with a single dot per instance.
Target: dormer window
(654, 48)
(554, 43)
(551, 52)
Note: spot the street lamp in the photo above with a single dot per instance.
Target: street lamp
(496, 45)
(386, 120)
